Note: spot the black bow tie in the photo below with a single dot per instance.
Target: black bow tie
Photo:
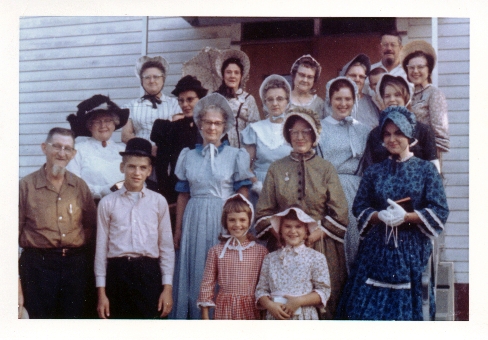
(153, 99)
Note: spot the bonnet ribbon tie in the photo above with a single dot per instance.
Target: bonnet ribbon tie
(348, 121)
(234, 244)
(288, 251)
(153, 99)
(275, 118)
(210, 150)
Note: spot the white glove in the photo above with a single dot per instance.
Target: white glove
(257, 187)
(397, 213)
(384, 216)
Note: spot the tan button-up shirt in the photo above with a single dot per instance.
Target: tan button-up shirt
(48, 219)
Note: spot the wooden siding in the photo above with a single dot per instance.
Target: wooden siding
(453, 80)
(64, 60)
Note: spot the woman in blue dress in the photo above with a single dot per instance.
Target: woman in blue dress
(264, 139)
(342, 142)
(207, 176)
(386, 280)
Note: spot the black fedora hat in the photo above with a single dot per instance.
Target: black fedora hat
(189, 83)
(138, 147)
(95, 105)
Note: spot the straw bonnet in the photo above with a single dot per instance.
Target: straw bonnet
(238, 54)
(309, 116)
(417, 45)
(217, 100)
(144, 59)
(262, 94)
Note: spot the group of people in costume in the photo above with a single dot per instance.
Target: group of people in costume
(298, 215)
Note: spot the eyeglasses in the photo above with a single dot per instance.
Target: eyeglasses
(188, 100)
(416, 67)
(303, 75)
(100, 122)
(152, 77)
(392, 45)
(209, 123)
(297, 133)
(57, 147)
(280, 99)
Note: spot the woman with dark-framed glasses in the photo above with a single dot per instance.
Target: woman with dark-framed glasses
(264, 139)
(308, 181)
(207, 175)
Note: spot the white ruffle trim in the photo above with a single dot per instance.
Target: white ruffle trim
(205, 304)
(335, 223)
(376, 283)
(338, 239)
(432, 233)
(267, 228)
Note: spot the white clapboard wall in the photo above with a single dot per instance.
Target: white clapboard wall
(64, 60)
(453, 80)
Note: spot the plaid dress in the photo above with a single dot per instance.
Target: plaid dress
(236, 279)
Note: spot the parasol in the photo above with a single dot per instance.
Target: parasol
(202, 66)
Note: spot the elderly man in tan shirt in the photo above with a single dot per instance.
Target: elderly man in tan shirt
(56, 220)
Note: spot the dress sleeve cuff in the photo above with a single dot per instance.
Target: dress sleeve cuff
(182, 186)
(243, 183)
(363, 221)
(100, 281)
(334, 229)
(205, 304)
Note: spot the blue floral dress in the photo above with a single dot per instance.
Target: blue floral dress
(210, 175)
(385, 282)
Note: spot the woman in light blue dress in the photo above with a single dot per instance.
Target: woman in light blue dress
(207, 176)
(264, 140)
(342, 142)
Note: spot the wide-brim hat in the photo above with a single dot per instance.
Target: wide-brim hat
(302, 216)
(386, 76)
(313, 60)
(238, 54)
(144, 59)
(361, 58)
(310, 116)
(138, 147)
(189, 83)
(401, 117)
(217, 100)
(98, 104)
(417, 45)
(266, 81)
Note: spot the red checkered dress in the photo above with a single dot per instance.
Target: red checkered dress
(237, 281)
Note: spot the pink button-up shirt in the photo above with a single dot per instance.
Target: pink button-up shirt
(128, 228)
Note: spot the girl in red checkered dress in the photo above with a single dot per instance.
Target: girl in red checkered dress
(234, 264)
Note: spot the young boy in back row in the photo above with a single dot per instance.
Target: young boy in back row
(135, 256)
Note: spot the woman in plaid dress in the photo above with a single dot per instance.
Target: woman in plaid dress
(234, 264)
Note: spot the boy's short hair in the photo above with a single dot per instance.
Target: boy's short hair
(125, 158)
(376, 71)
